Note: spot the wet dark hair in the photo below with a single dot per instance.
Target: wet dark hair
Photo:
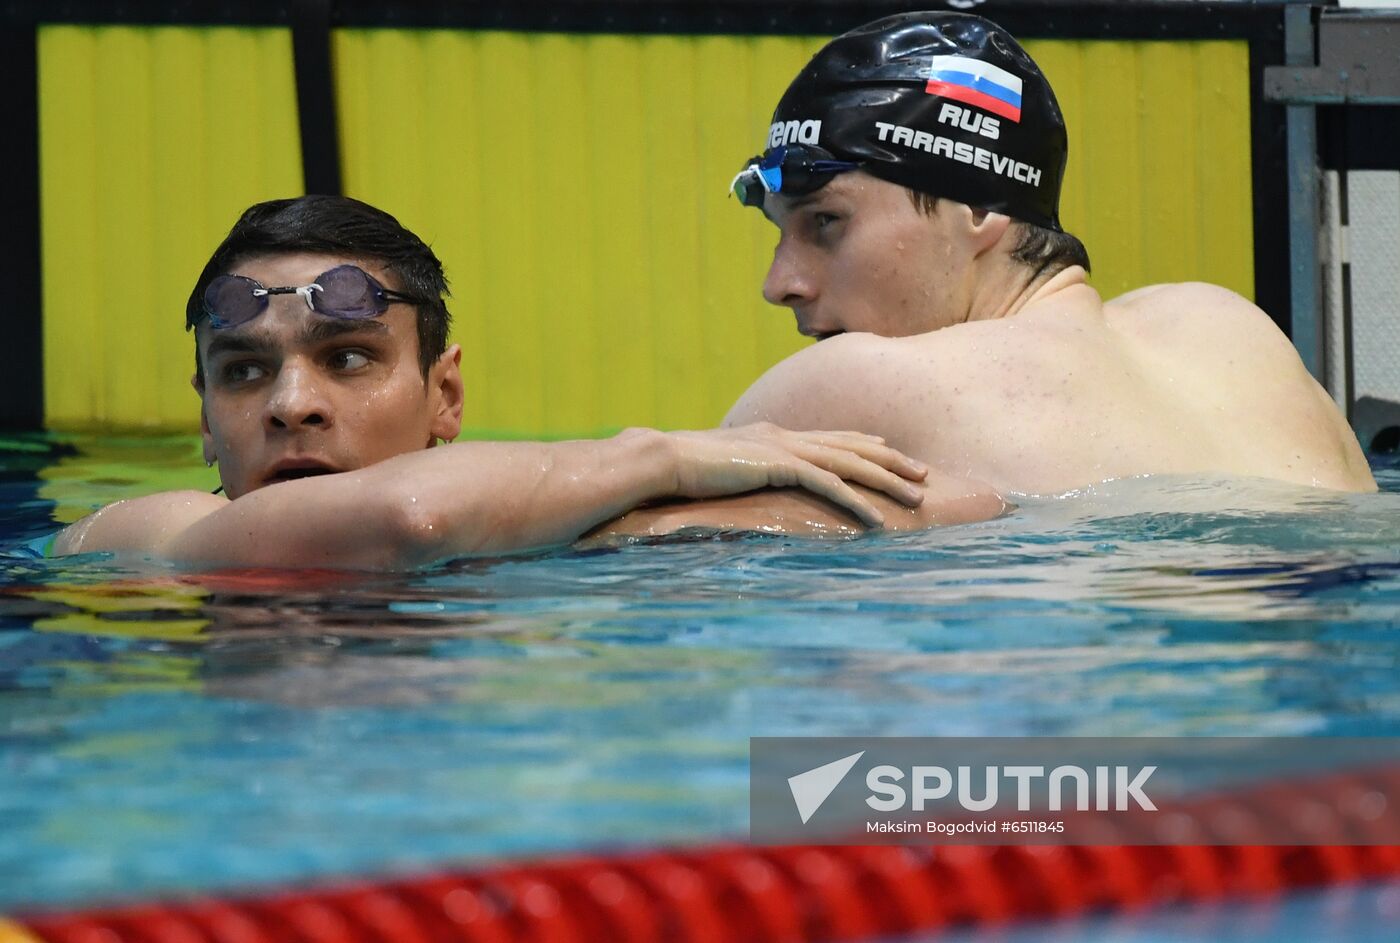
(1043, 251)
(335, 225)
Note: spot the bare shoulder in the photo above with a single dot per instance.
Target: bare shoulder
(1202, 316)
(1213, 303)
(844, 382)
(140, 525)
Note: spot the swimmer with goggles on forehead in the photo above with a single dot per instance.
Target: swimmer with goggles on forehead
(792, 170)
(346, 291)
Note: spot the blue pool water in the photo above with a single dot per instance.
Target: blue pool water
(165, 732)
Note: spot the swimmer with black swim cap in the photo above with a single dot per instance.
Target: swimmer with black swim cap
(913, 169)
(947, 107)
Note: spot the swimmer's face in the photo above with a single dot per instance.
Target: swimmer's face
(857, 255)
(293, 392)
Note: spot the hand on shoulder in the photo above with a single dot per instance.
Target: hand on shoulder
(720, 462)
(947, 500)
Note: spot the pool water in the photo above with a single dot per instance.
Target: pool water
(165, 732)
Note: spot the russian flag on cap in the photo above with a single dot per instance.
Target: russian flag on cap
(975, 83)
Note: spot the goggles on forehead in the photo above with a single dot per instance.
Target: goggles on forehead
(795, 169)
(346, 291)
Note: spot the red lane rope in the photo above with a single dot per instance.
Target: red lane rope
(733, 893)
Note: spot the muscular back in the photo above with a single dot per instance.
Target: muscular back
(1069, 391)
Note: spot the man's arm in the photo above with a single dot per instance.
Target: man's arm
(486, 497)
(946, 501)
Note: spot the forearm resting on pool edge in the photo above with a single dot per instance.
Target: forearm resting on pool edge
(947, 501)
(480, 497)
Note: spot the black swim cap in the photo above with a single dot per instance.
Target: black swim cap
(944, 103)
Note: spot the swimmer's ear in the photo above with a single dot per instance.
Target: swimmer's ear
(210, 456)
(986, 228)
(446, 393)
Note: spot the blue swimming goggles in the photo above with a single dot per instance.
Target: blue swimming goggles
(794, 169)
(346, 291)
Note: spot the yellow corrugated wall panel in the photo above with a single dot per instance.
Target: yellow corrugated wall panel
(1221, 155)
(151, 141)
(574, 186)
(1159, 184)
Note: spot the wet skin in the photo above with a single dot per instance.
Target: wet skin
(1006, 382)
(962, 356)
(293, 392)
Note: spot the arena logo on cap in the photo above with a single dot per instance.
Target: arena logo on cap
(782, 133)
(977, 83)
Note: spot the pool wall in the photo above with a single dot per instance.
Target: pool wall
(571, 171)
